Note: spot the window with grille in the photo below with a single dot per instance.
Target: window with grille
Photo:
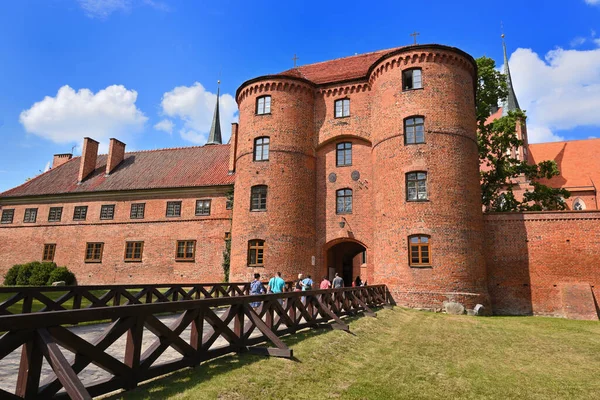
(93, 252)
(7, 216)
(55, 214)
(107, 211)
(416, 186)
(173, 209)
(420, 250)
(263, 105)
(49, 250)
(137, 211)
(261, 149)
(80, 213)
(186, 250)
(344, 201)
(343, 154)
(203, 207)
(258, 198)
(133, 251)
(342, 108)
(30, 215)
(414, 130)
(411, 79)
(256, 252)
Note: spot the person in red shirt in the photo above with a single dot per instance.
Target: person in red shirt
(325, 284)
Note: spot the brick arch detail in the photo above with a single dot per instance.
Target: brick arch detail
(265, 87)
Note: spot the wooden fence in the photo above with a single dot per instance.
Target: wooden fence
(57, 298)
(211, 327)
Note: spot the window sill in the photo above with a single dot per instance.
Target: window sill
(258, 210)
(92, 261)
(341, 166)
(263, 114)
(202, 215)
(343, 213)
(421, 266)
(185, 259)
(173, 216)
(54, 221)
(132, 261)
(106, 219)
(418, 201)
(256, 266)
(411, 89)
(414, 144)
(342, 117)
(261, 160)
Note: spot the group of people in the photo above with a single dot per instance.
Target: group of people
(277, 284)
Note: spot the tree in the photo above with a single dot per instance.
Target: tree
(495, 139)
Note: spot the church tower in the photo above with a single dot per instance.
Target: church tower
(214, 136)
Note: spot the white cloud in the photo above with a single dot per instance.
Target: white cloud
(578, 41)
(102, 9)
(71, 115)
(559, 92)
(592, 2)
(166, 125)
(195, 106)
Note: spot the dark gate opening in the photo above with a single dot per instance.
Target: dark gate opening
(345, 258)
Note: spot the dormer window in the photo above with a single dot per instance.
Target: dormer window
(263, 105)
(342, 108)
(411, 79)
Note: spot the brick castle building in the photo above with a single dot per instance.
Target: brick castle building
(365, 165)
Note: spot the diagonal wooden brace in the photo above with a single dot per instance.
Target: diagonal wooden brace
(281, 351)
(368, 312)
(339, 323)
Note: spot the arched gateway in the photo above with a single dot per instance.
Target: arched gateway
(347, 257)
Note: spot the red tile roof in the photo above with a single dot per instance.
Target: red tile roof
(152, 169)
(577, 160)
(340, 69)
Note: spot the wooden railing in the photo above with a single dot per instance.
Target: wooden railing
(21, 300)
(200, 330)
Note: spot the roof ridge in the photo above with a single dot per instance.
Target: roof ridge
(175, 148)
(565, 141)
(354, 55)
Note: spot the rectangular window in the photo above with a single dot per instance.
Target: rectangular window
(93, 252)
(173, 209)
(203, 207)
(107, 211)
(227, 235)
(261, 149)
(420, 254)
(133, 251)
(80, 213)
(49, 250)
(137, 211)
(186, 250)
(258, 198)
(7, 216)
(344, 201)
(416, 186)
(364, 257)
(342, 108)
(263, 105)
(30, 215)
(411, 79)
(55, 214)
(256, 250)
(343, 154)
(414, 130)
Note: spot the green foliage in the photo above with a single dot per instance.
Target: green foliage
(61, 274)
(10, 278)
(229, 197)
(226, 259)
(38, 273)
(495, 140)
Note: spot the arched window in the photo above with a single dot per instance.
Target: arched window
(578, 205)
(419, 251)
(258, 198)
(343, 153)
(261, 148)
(342, 108)
(411, 79)
(414, 130)
(263, 105)
(343, 201)
(416, 186)
(256, 252)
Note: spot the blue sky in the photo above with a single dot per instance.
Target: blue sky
(145, 71)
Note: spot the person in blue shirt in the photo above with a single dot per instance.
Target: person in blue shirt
(307, 283)
(276, 285)
(256, 287)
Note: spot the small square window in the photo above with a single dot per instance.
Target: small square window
(80, 213)
(55, 214)
(7, 216)
(186, 250)
(411, 79)
(107, 211)
(342, 108)
(173, 209)
(93, 252)
(137, 211)
(133, 251)
(203, 207)
(49, 250)
(263, 105)
(227, 235)
(30, 215)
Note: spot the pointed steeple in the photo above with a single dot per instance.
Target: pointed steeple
(215, 130)
(511, 103)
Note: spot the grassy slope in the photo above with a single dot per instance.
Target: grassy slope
(405, 354)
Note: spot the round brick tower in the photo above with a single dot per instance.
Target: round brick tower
(447, 214)
(287, 224)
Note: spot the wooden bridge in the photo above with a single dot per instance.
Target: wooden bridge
(154, 330)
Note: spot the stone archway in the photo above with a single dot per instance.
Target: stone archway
(344, 256)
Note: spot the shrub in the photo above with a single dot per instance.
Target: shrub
(24, 274)
(11, 276)
(61, 274)
(40, 273)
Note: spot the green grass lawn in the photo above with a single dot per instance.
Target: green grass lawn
(406, 354)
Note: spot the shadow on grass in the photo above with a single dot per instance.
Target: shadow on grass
(185, 379)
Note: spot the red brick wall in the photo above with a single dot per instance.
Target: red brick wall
(531, 256)
(23, 242)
